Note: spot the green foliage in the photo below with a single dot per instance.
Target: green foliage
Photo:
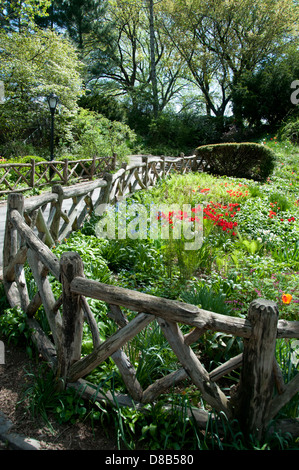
(207, 299)
(14, 328)
(152, 354)
(222, 58)
(244, 160)
(90, 249)
(96, 135)
(290, 130)
(37, 62)
(42, 401)
(172, 133)
(265, 94)
(261, 260)
(20, 15)
(287, 354)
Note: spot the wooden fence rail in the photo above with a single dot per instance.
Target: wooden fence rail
(260, 393)
(40, 174)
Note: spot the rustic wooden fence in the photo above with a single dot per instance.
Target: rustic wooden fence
(261, 391)
(40, 174)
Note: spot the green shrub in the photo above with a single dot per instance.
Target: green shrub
(171, 133)
(244, 160)
(25, 159)
(15, 149)
(96, 135)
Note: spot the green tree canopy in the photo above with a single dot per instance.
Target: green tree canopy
(32, 65)
(139, 63)
(220, 40)
(265, 95)
(17, 14)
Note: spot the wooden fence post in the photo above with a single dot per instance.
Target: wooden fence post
(163, 166)
(71, 266)
(32, 176)
(145, 171)
(104, 197)
(11, 246)
(257, 380)
(65, 171)
(54, 229)
(93, 167)
(182, 155)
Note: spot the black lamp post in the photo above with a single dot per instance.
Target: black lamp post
(52, 101)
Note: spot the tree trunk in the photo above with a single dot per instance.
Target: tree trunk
(153, 59)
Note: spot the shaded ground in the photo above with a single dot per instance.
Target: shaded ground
(78, 436)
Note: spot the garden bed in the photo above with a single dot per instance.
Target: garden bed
(249, 250)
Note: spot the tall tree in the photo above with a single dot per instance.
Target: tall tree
(220, 40)
(153, 73)
(264, 95)
(83, 20)
(32, 65)
(138, 63)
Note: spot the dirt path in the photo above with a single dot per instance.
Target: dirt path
(78, 436)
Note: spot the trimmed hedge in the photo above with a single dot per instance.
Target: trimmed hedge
(242, 160)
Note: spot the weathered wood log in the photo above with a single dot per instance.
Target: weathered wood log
(44, 253)
(91, 392)
(57, 205)
(43, 229)
(22, 286)
(71, 265)
(145, 171)
(256, 382)
(20, 258)
(35, 202)
(139, 180)
(118, 174)
(285, 426)
(11, 246)
(168, 309)
(82, 189)
(34, 305)
(278, 377)
(226, 368)
(44, 346)
(91, 322)
(15, 203)
(164, 384)
(125, 368)
(280, 400)
(70, 225)
(104, 196)
(193, 335)
(287, 329)
(106, 349)
(47, 297)
(128, 373)
(198, 374)
(116, 314)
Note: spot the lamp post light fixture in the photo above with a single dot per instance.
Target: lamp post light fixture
(52, 102)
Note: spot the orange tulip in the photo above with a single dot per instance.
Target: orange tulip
(286, 298)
